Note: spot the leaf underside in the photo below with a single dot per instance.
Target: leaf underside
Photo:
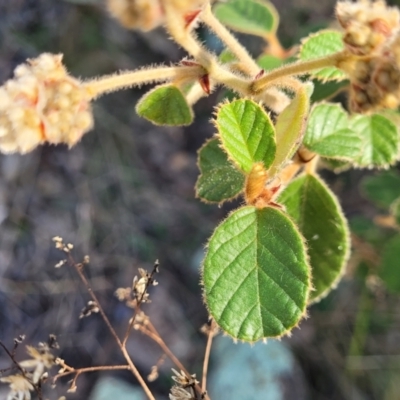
(165, 105)
(219, 180)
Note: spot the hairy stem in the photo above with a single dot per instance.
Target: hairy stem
(230, 41)
(124, 80)
(181, 33)
(298, 68)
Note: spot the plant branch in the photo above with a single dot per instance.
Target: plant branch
(97, 87)
(152, 333)
(23, 373)
(211, 334)
(181, 33)
(91, 369)
(134, 370)
(298, 68)
(149, 282)
(230, 41)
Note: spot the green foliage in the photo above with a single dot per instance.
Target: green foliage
(256, 275)
(269, 62)
(326, 90)
(290, 127)
(257, 269)
(219, 180)
(328, 135)
(395, 210)
(247, 133)
(390, 267)
(165, 105)
(255, 17)
(380, 140)
(383, 189)
(320, 219)
(319, 45)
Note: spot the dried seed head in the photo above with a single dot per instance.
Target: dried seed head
(153, 374)
(42, 103)
(91, 307)
(178, 393)
(20, 387)
(183, 379)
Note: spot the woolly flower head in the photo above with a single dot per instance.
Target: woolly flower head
(367, 24)
(372, 34)
(146, 15)
(42, 103)
(137, 14)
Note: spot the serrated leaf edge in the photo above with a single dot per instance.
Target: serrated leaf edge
(346, 257)
(201, 173)
(339, 158)
(325, 79)
(217, 108)
(380, 167)
(304, 315)
(148, 93)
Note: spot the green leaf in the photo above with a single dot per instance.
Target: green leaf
(269, 62)
(395, 210)
(319, 45)
(380, 138)
(247, 133)
(165, 105)
(254, 17)
(226, 56)
(328, 135)
(383, 188)
(320, 219)
(290, 127)
(219, 180)
(326, 90)
(256, 276)
(390, 267)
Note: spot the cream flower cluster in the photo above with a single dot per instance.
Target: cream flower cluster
(367, 24)
(42, 103)
(137, 14)
(372, 32)
(146, 15)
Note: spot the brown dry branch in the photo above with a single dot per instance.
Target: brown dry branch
(79, 267)
(29, 384)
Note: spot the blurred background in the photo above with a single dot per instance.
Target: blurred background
(125, 196)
